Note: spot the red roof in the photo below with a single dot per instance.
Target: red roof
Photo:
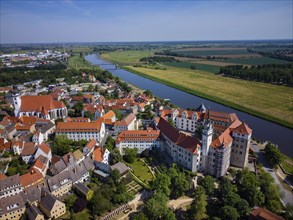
(243, 129)
(31, 178)
(79, 126)
(91, 144)
(45, 148)
(98, 154)
(138, 135)
(36, 103)
(126, 121)
(187, 142)
(263, 214)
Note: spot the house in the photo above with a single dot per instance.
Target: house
(258, 213)
(127, 123)
(60, 184)
(44, 150)
(80, 172)
(183, 149)
(82, 130)
(89, 147)
(109, 119)
(41, 165)
(121, 167)
(46, 129)
(83, 190)
(38, 137)
(28, 152)
(32, 194)
(17, 147)
(52, 207)
(10, 186)
(31, 178)
(33, 213)
(140, 139)
(101, 155)
(97, 110)
(39, 106)
(12, 207)
(58, 94)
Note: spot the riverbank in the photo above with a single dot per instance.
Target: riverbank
(263, 100)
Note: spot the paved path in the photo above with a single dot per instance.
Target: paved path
(175, 203)
(287, 198)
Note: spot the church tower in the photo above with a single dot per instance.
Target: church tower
(16, 104)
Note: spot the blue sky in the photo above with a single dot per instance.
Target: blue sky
(105, 21)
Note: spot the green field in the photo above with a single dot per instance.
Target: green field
(264, 100)
(203, 67)
(210, 52)
(126, 57)
(78, 62)
(81, 215)
(255, 61)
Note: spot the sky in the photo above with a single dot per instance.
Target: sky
(124, 21)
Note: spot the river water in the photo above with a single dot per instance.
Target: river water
(262, 129)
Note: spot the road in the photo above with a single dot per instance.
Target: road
(287, 198)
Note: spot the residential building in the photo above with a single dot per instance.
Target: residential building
(140, 139)
(109, 119)
(39, 106)
(33, 213)
(96, 109)
(10, 186)
(52, 207)
(44, 150)
(89, 147)
(83, 190)
(82, 130)
(101, 155)
(31, 178)
(28, 152)
(125, 124)
(12, 207)
(60, 184)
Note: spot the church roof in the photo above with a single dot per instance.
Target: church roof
(39, 103)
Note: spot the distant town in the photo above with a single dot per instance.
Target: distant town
(80, 143)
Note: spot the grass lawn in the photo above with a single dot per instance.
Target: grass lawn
(141, 171)
(82, 215)
(203, 67)
(78, 62)
(261, 99)
(126, 57)
(288, 165)
(217, 52)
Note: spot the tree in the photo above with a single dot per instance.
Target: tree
(229, 213)
(179, 183)
(208, 183)
(171, 122)
(242, 207)
(161, 184)
(115, 157)
(99, 204)
(90, 115)
(118, 114)
(69, 201)
(90, 88)
(61, 145)
(198, 206)
(140, 216)
(78, 107)
(130, 154)
(273, 154)
(110, 143)
(148, 93)
(156, 207)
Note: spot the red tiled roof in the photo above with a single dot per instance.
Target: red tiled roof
(263, 214)
(221, 116)
(28, 120)
(127, 121)
(45, 148)
(93, 108)
(138, 135)
(4, 89)
(28, 149)
(91, 144)
(33, 103)
(187, 142)
(2, 176)
(98, 154)
(79, 126)
(243, 129)
(31, 178)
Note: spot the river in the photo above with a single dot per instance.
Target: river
(262, 129)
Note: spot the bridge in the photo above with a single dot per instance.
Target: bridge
(107, 64)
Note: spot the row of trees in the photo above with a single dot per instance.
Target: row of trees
(271, 73)
(280, 53)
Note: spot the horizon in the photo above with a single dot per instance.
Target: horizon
(69, 21)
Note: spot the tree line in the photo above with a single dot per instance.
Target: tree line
(269, 73)
(281, 53)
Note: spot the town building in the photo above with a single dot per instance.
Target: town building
(82, 130)
(89, 147)
(181, 148)
(140, 139)
(39, 106)
(33, 213)
(12, 207)
(52, 207)
(125, 124)
(97, 110)
(10, 186)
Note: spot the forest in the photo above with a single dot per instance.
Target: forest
(270, 73)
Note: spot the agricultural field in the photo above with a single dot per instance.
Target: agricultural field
(255, 61)
(224, 52)
(265, 100)
(129, 57)
(199, 66)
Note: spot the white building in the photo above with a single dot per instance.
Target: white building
(183, 149)
(39, 106)
(140, 139)
(127, 123)
(82, 130)
(45, 151)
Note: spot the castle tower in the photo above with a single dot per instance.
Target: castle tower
(16, 104)
(207, 137)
